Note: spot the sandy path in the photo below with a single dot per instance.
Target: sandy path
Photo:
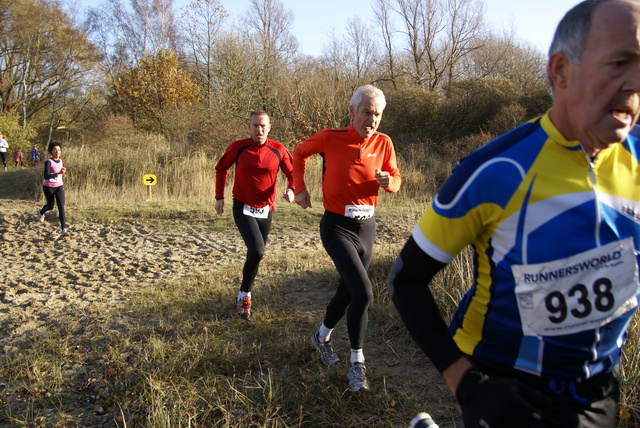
(102, 265)
(98, 264)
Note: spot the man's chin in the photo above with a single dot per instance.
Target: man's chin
(620, 135)
(366, 133)
(610, 139)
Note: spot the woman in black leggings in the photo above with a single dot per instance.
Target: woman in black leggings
(52, 186)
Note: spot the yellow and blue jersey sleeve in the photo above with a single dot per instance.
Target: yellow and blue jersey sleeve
(530, 197)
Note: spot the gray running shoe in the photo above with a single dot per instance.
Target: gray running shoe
(64, 233)
(40, 217)
(357, 377)
(327, 356)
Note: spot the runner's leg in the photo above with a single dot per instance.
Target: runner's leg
(60, 201)
(49, 197)
(254, 232)
(349, 243)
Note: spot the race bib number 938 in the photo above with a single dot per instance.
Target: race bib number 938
(579, 293)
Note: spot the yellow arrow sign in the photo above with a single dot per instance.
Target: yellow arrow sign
(149, 180)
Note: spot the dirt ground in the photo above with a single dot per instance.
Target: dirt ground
(90, 269)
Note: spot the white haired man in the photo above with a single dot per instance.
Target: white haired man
(358, 160)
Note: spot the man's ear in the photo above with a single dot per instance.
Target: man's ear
(558, 69)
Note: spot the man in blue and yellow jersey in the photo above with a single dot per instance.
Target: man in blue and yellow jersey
(552, 212)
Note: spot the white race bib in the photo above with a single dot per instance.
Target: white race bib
(359, 212)
(256, 212)
(56, 179)
(579, 293)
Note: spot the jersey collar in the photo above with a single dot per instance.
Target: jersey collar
(556, 135)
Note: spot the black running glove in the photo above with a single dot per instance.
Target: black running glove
(500, 402)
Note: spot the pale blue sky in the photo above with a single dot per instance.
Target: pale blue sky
(533, 21)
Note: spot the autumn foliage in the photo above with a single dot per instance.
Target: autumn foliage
(153, 88)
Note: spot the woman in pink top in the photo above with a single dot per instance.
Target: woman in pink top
(52, 187)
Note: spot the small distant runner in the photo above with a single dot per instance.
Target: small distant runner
(52, 186)
(18, 157)
(3, 151)
(34, 155)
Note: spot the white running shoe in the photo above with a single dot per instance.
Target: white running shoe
(422, 420)
(358, 377)
(64, 232)
(40, 217)
(327, 356)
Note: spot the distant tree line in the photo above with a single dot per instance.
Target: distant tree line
(193, 74)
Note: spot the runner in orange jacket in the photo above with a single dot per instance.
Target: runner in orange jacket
(357, 161)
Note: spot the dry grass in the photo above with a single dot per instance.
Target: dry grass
(176, 358)
(630, 387)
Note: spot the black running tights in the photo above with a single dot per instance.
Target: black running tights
(254, 232)
(57, 193)
(349, 243)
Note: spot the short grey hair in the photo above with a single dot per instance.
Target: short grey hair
(572, 31)
(368, 91)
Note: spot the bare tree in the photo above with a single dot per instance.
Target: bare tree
(464, 30)
(202, 22)
(334, 55)
(383, 14)
(269, 32)
(361, 49)
(438, 35)
(351, 57)
(234, 83)
(315, 98)
(422, 22)
(127, 33)
(504, 57)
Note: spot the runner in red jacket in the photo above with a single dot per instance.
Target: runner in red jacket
(257, 160)
(358, 160)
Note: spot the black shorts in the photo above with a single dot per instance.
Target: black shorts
(592, 403)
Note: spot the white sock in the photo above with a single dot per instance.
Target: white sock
(357, 356)
(242, 295)
(324, 333)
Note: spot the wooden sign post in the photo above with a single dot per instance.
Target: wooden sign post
(149, 180)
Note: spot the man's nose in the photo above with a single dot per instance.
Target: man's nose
(632, 83)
